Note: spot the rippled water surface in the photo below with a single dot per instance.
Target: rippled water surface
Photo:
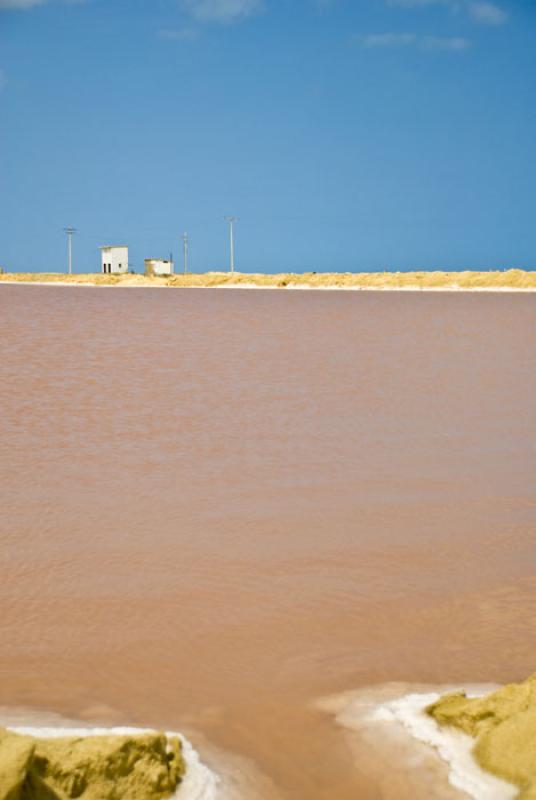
(218, 506)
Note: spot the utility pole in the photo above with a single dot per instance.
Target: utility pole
(69, 232)
(231, 221)
(185, 248)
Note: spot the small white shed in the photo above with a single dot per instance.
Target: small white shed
(114, 259)
(158, 266)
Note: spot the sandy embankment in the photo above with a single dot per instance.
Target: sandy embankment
(442, 743)
(213, 774)
(405, 753)
(508, 280)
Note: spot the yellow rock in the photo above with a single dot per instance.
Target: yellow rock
(16, 753)
(147, 766)
(504, 726)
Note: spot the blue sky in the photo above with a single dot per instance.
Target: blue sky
(345, 134)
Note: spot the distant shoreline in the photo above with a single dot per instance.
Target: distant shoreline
(497, 281)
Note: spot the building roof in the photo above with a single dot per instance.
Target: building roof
(112, 246)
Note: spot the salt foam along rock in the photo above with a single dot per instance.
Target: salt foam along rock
(453, 745)
(503, 729)
(100, 764)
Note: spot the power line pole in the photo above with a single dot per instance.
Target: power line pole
(69, 232)
(185, 248)
(231, 221)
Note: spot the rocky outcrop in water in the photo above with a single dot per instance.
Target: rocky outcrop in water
(147, 766)
(504, 726)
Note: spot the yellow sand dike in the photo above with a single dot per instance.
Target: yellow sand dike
(148, 766)
(509, 279)
(504, 726)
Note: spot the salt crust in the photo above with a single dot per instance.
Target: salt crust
(452, 746)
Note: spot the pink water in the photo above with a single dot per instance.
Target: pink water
(218, 506)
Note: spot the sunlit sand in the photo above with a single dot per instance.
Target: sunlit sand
(506, 280)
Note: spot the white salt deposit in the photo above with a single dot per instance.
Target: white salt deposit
(393, 718)
(453, 746)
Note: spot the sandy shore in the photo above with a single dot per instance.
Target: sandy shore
(507, 281)
(212, 774)
(411, 757)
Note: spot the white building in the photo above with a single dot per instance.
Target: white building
(158, 266)
(114, 259)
